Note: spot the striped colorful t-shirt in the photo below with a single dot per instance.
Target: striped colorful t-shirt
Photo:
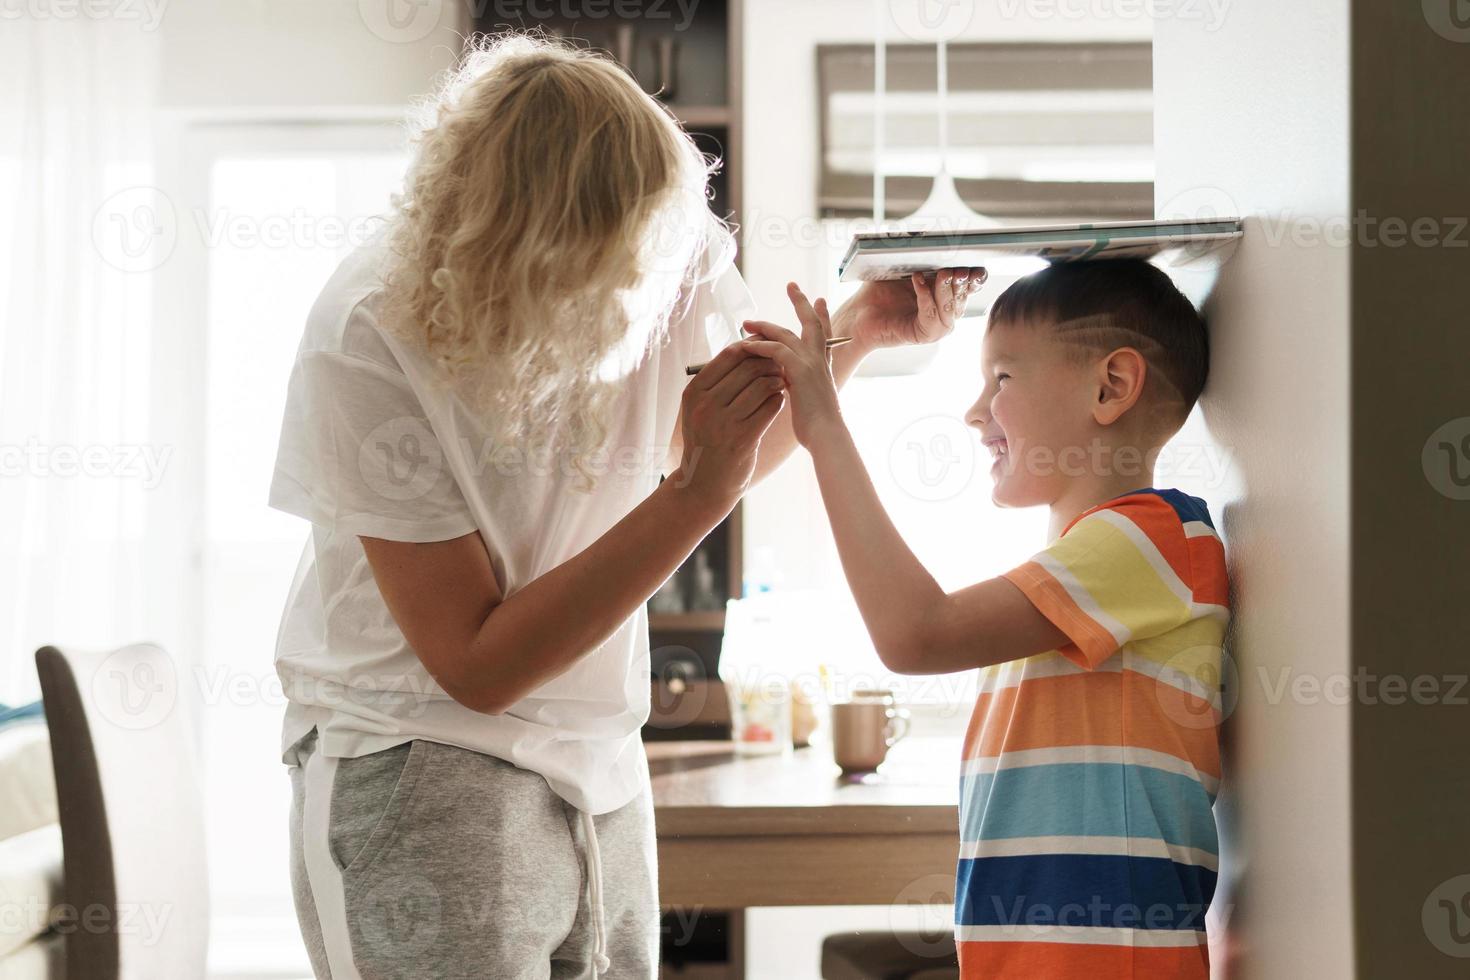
(1087, 832)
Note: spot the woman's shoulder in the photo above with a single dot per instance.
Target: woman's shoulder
(343, 320)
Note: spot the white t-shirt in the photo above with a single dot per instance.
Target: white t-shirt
(370, 447)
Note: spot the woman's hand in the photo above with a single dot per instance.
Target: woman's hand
(916, 310)
(805, 363)
(726, 409)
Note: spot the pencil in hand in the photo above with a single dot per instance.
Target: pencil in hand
(831, 343)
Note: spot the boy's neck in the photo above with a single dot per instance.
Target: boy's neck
(1083, 494)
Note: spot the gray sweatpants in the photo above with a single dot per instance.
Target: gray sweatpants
(428, 860)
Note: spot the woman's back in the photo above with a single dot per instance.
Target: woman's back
(374, 443)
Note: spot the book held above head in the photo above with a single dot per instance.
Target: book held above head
(899, 254)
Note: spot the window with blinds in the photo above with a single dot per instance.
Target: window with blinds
(1036, 131)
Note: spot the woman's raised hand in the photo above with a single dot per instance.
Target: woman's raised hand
(726, 409)
(916, 310)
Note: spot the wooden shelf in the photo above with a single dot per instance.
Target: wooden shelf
(710, 620)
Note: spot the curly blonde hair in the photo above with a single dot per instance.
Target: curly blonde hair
(551, 226)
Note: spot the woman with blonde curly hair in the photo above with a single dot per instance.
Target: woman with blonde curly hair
(482, 406)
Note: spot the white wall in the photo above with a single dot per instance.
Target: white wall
(300, 53)
(1253, 117)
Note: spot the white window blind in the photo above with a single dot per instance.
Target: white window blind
(1061, 131)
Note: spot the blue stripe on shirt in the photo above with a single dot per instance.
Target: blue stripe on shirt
(1188, 508)
(1048, 801)
(1097, 890)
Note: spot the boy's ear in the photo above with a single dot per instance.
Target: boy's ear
(1120, 379)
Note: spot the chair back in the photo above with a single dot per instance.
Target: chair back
(132, 813)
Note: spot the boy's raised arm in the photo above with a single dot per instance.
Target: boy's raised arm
(916, 627)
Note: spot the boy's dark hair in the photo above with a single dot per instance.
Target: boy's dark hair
(1111, 303)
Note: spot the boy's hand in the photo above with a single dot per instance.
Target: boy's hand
(804, 361)
(896, 312)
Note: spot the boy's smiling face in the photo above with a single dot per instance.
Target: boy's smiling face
(1089, 368)
(1037, 400)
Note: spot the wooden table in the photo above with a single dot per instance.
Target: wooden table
(741, 832)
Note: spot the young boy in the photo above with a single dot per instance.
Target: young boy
(1087, 837)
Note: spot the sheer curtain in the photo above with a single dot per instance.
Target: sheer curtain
(81, 233)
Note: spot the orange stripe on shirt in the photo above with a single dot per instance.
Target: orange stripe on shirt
(1076, 709)
(1155, 518)
(1080, 961)
(1210, 582)
(1091, 643)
